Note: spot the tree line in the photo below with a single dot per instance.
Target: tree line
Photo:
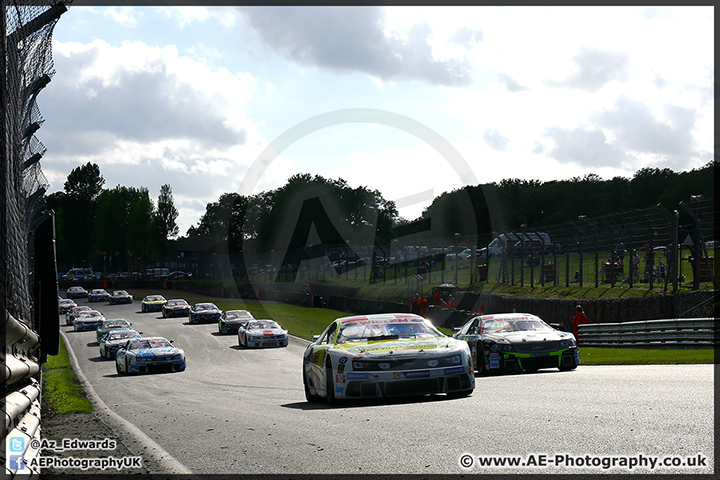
(103, 227)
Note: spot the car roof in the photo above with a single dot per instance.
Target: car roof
(382, 317)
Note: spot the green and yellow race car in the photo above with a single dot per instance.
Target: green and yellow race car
(385, 355)
(152, 303)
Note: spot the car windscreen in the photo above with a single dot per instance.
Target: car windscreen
(121, 335)
(205, 306)
(155, 298)
(176, 303)
(362, 331)
(515, 325)
(262, 325)
(115, 324)
(150, 343)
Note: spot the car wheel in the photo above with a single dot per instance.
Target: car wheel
(329, 383)
(310, 397)
(461, 394)
(117, 369)
(567, 368)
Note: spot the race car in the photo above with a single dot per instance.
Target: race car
(149, 355)
(514, 342)
(88, 320)
(231, 320)
(120, 296)
(98, 295)
(74, 312)
(262, 333)
(204, 312)
(76, 292)
(114, 324)
(176, 307)
(114, 339)
(385, 355)
(152, 303)
(64, 305)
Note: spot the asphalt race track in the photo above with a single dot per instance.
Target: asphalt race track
(237, 410)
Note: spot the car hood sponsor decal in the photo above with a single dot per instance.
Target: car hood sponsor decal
(394, 345)
(519, 337)
(154, 352)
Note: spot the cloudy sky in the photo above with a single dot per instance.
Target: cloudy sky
(410, 101)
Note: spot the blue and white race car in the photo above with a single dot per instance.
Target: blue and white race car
(98, 295)
(149, 355)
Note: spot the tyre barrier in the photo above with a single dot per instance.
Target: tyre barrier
(21, 401)
(670, 333)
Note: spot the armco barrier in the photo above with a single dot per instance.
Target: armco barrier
(21, 402)
(672, 333)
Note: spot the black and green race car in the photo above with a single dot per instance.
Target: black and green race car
(516, 342)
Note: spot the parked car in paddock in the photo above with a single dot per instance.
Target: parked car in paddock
(65, 305)
(149, 355)
(176, 307)
(204, 312)
(262, 333)
(515, 342)
(98, 295)
(385, 355)
(76, 292)
(231, 320)
(88, 320)
(110, 344)
(74, 312)
(152, 303)
(120, 296)
(113, 324)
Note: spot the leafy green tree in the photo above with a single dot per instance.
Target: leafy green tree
(166, 214)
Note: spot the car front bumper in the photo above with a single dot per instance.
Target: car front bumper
(514, 361)
(377, 384)
(157, 366)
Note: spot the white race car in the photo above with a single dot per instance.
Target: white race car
(262, 333)
(149, 355)
(88, 320)
(385, 355)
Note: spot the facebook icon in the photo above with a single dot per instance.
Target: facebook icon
(17, 462)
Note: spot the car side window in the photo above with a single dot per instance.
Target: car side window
(328, 335)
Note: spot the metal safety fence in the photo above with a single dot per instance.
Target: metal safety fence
(670, 333)
(28, 281)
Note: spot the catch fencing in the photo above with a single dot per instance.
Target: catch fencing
(28, 279)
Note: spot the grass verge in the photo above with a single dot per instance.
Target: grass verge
(62, 391)
(643, 356)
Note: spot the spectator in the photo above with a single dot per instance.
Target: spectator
(635, 262)
(578, 319)
(422, 306)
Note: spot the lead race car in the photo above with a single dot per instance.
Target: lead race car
(385, 355)
(508, 342)
(149, 355)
